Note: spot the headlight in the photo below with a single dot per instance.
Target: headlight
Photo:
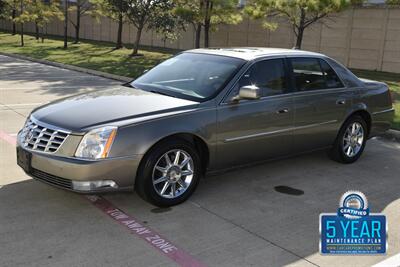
(97, 143)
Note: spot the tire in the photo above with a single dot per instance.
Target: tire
(349, 146)
(155, 173)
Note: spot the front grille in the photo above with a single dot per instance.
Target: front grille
(40, 138)
(51, 179)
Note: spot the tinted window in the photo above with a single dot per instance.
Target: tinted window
(307, 74)
(347, 76)
(332, 80)
(268, 75)
(190, 75)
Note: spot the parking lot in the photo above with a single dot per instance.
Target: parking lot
(235, 218)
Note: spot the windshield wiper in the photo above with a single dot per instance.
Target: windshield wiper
(128, 84)
(160, 93)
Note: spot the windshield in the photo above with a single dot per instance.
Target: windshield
(191, 76)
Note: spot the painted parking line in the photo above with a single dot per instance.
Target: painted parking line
(21, 104)
(165, 247)
(157, 241)
(8, 138)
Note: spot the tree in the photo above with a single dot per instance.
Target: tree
(23, 17)
(207, 14)
(8, 10)
(190, 12)
(300, 13)
(3, 5)
(42, 13)
(115, 10)
(149, 14)
(81, 7)
(393, 2)
(13, 16)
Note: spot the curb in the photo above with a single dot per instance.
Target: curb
(392, 135)
(70, 67)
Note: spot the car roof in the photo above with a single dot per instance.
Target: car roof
(250, 53)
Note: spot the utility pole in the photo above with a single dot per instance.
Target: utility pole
(65, 24)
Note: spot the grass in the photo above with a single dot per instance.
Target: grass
(101, 56)
(95, 55)
(391, 79)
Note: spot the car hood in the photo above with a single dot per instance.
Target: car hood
(111, 106)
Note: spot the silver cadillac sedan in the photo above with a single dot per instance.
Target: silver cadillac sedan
(199, 111)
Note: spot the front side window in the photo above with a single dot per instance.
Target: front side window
(307, 74)
(190, 76)
(268, 75)
(314, 74)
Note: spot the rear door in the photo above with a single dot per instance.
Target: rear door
(252, 130)
(320, 102)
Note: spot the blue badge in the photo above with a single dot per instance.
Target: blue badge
(353, 229)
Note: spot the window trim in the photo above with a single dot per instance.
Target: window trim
(296, 90)
(290, 88)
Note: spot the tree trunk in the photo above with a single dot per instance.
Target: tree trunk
(42, 34)
(198, 26)
(22, 24)
(36, 24)
(137, 40)
(206, 35)
(198, 35)
(300, 29)
(119, 36)
(22, 34)
(78, 22)
(14, 26)
(299, 38)
(65, 24)
(37, 31)
(207, 23)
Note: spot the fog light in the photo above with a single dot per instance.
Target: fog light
(93, 185)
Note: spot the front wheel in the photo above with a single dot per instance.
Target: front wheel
(351, 140)
(169, 173)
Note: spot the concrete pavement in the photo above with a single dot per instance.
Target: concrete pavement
(235, 218)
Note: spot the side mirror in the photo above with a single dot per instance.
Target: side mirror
(250, 92)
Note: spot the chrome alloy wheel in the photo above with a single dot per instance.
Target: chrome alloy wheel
(353, 139)
(173, 173)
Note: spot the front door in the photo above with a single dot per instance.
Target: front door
(253, 130)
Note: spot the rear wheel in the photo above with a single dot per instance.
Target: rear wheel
(169, 173)
(351, 140)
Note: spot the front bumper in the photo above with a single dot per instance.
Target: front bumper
(84, 176)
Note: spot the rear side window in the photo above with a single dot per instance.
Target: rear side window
(314, 74)
(346, 75)
(268, 75)
(332, 80)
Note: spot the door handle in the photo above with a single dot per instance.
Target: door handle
(340, 102)
(281, 111)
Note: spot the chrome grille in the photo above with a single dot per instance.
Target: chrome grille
(41, 138)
